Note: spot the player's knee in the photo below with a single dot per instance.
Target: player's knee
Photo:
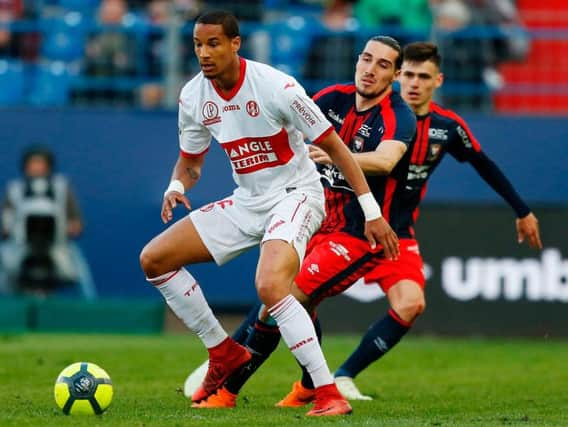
(270, 290)
(150, 263)
(410, 308)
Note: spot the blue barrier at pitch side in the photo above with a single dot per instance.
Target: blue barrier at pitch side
(120, 163)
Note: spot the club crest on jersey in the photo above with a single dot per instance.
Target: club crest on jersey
(358, 144)
(210, 113)
(252, 109)
(434, 151)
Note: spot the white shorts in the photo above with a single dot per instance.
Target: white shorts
(228, 229)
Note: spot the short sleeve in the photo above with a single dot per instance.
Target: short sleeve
(300, 110)
(400, 124)
(194, 138)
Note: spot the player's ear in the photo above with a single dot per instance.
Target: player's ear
(236, 44)
(396, 75)
(439, 80)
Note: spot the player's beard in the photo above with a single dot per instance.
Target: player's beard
(372, 95)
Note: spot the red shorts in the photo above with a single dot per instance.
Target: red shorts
(333, 262)
(408, 266)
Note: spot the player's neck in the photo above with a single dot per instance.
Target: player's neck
(422, 110)
(362, 103)
(229, 79)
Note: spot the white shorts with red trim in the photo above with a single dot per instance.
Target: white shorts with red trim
(228, 228)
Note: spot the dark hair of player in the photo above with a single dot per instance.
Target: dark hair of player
(389, 41)
(220, 17)
(422, 52)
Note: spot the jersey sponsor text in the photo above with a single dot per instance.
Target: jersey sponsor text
(252, 154)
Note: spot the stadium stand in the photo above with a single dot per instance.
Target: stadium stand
(52, 56)
(539, 84)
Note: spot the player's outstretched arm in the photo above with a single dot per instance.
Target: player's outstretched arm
(376, 227)
(527, 228)
(527, 223)
(187, 172)
(379, 162)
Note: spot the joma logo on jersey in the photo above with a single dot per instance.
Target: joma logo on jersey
(438, 134)
(231, 108)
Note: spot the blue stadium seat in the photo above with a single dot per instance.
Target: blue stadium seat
(51, 85)
(64, 37)
(12, 82)
(290, 42)
(79, 5)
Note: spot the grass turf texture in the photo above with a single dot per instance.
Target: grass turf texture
(424, 381)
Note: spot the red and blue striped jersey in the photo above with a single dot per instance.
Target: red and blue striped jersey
(363, 131)
(439, 132)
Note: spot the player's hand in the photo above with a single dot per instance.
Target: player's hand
(379, 230)
(318, 155)
(527, 228)
(171, 200)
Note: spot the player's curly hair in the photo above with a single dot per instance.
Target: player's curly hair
(226, 19)
(422, 52)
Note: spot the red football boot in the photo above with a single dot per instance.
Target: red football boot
(329, 402)
(224, 359)
(299, 396)
(223, 398)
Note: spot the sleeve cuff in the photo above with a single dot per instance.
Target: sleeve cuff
(193, 155)
(320, 138)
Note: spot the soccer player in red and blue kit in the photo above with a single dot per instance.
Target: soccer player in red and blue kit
(439, 131)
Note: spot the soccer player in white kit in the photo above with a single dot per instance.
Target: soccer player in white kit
(259, 116)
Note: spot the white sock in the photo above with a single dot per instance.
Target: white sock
(184, 296)
(299, 334)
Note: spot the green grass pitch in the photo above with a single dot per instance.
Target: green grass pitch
(423, 382)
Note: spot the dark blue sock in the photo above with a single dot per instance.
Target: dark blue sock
(306, 378)
(379, 339)
(261, 342)
(245, 328)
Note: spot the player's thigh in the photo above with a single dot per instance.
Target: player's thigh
(178, 245)
(409, 266)
(333, 264)
(295, 220)
(227, 229)
(405, 291)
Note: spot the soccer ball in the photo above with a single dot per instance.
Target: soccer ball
(83, 388)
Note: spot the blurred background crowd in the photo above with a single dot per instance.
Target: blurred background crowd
(500, 55)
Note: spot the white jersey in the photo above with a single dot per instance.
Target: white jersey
(259, 126)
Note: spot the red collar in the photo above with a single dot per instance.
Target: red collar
(235, 89)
